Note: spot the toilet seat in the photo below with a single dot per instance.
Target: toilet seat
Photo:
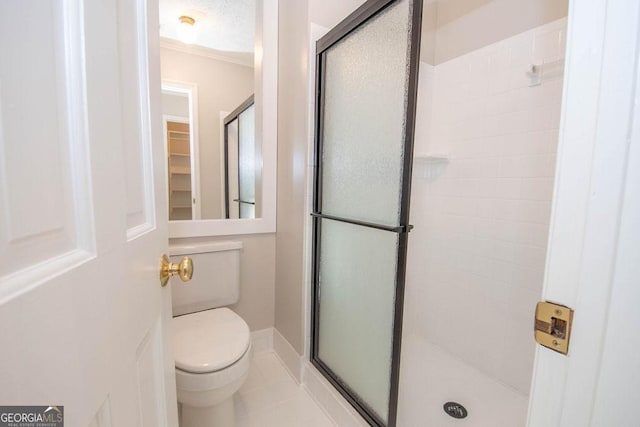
(209, 341)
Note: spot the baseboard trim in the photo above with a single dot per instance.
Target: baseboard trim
(328, 398)
(289, 356)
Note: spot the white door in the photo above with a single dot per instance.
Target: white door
(593, 261)
(83, 319)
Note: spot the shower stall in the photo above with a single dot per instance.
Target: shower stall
(426, 317)
(485, 155)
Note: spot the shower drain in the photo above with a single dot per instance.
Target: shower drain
(455, 410)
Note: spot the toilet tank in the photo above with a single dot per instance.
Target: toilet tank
(216, 276)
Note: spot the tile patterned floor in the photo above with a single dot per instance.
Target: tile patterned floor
(271, 398)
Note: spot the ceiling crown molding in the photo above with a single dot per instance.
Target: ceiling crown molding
(244, 59)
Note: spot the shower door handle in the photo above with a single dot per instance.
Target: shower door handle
(244, 201)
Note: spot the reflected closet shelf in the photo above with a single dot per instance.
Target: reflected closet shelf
(177, 170)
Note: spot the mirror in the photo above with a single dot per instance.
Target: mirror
(219, 102)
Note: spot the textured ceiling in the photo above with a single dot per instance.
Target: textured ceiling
(226, 25)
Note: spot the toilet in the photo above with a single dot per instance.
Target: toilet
(212, 344)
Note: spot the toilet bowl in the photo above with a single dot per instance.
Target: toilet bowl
(212, 344)
(212, 351)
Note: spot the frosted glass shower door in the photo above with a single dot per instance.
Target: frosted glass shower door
(365, 105)
(240, 161)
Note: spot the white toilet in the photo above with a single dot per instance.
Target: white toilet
(212, 344)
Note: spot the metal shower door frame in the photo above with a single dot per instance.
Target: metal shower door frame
(234, 115)
(359, 17)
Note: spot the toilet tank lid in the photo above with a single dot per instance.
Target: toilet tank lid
(200, 248)
(209, 341)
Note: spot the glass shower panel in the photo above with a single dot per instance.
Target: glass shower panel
(247, 163)
(358, 267)
(367, 81)
(365, 91)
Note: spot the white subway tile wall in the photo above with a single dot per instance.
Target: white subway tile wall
(477, 253)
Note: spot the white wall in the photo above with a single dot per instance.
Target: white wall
(292, 146)
(222, 86)
(466, 25)
(477, 253)
(328, 13)
(175, 105)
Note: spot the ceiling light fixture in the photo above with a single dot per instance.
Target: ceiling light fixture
(186, 29)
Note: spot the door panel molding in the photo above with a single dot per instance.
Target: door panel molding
(136, 134)
(149, 368)
(54, 175)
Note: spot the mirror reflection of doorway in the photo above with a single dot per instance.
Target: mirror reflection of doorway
(181, 142)
(179, 170)
(240, 162)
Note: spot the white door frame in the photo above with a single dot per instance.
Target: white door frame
(191, 91)
(584, 255)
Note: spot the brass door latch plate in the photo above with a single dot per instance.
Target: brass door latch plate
(553, 326)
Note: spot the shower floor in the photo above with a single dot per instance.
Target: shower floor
(429, 377)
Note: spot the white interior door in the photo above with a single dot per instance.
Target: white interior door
(593, 261)
(82, 213)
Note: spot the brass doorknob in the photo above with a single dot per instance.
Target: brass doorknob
(184, 269)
